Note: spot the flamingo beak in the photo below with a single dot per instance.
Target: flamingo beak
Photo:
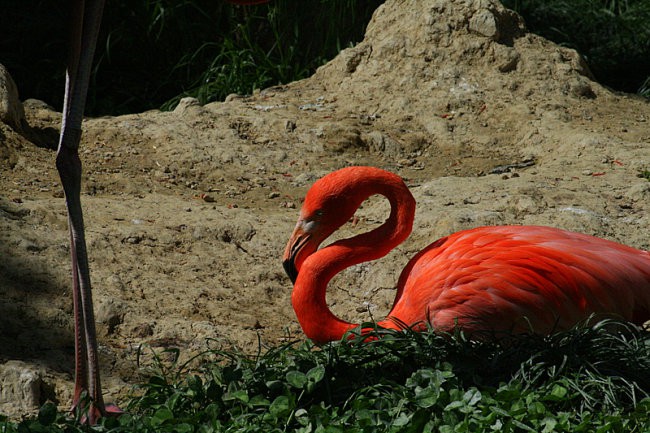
(299, 238)
(290, 268)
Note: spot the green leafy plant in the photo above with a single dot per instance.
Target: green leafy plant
(644, 90)
(644, 174)
(276, 43)
(153, 52)
(591, 378)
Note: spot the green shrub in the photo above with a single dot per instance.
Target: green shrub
(152, 52)
(588, 379)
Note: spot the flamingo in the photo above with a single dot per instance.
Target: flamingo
(85, 28)
(87, 17)
(515, 279)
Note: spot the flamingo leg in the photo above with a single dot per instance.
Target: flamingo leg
(85, 28)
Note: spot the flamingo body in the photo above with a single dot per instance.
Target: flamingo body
(522, 278)
(506, 278)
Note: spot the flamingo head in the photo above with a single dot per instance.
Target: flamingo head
(302, 243)
(329, 204)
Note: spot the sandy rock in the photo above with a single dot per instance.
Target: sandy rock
(485, 23)
(11, 109)
(20, 387)
(12, 120)
(109, 313)
(338, 138)
(185, 104)
(639, 192)
(381, 143)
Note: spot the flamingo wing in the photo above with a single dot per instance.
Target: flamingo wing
(522, 279)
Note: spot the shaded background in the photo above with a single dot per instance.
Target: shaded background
(152, 53)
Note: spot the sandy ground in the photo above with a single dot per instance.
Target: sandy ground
(188, 212)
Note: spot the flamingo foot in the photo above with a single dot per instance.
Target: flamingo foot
(93, 412)
(112, 411)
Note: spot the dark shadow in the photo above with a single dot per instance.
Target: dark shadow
(47, 137)
(511, 26)
(33, 327)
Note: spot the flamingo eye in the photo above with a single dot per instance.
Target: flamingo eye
(314, 216)
(310, 223)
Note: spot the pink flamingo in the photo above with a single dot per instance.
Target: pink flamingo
(508, 278)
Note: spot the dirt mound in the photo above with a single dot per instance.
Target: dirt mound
(188, 211)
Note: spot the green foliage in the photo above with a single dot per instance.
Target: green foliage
(589, 379)
(276, 43)
(645, 174)
(612, 35)
(152, 52)
(644, 90)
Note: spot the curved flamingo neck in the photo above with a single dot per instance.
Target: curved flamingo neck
(308, 297)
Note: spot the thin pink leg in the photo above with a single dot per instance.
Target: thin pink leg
(87, 17)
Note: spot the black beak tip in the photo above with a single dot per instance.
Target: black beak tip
(290, 269)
